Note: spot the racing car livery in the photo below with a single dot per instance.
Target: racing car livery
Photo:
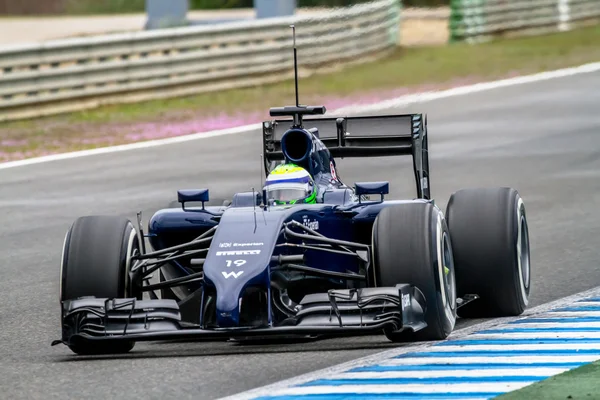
(350, 263)
(347, 262)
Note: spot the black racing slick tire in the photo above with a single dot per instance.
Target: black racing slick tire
(490, 239)
(411, 244)
(95, 263)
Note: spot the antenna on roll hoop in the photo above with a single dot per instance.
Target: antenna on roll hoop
(295, 64)
(297, 117)
(298, 110)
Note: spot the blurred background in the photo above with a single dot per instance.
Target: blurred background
(58, 19)
(72, 7)
(80, 74)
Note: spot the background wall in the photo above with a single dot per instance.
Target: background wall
(29, 7)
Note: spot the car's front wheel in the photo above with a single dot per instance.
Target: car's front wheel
(96, 262)
(411, 244)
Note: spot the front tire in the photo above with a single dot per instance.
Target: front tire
(490, 238)
(411, 244)
(96, 263)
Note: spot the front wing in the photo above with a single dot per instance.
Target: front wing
(335, 313)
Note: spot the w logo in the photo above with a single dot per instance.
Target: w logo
(234, 274)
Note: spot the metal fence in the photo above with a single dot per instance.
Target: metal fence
(74, 74)
(479, 20)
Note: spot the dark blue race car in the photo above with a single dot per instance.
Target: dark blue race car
(352, 263)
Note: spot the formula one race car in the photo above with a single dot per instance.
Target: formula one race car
(346, 263)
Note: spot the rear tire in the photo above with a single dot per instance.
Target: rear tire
(411, 244)
(490, 239)
(95, 263)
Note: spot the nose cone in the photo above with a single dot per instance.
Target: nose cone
(239, 256)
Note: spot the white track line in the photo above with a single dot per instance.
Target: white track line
(131, 146)
(573, 314)
(481, 349)
(536, 335)
(470, 89)
(349, 110)
(464, 388)
(500, 372)
(557, 324)
(482, 359)
(587, 304)
(384, 358)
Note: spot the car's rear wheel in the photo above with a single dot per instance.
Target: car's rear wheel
(411, 244)
(96, 263)
(490, 239)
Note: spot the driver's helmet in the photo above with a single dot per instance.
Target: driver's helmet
(290, 184)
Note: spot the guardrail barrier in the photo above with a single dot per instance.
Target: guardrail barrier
(74, 74)
(480, 20)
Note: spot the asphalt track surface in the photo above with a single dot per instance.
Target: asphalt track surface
(541, 138)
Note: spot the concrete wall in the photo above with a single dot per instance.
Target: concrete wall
(274, 8)
(165, 14)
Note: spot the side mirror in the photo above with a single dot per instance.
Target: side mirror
(366, 188)
(185, 196)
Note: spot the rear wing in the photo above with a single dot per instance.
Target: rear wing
(369, 136)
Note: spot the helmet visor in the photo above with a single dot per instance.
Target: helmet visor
(288, 192)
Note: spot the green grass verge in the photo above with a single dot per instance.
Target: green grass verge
(579, 383)
(406, 70)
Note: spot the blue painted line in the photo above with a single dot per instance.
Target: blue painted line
(555, 320)
(462, 367)
(508, 341)
(527, 330)
(559, 359)
(380, 396)
(514, 341)
(423, 381)
(580, 308)
(499, 353)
